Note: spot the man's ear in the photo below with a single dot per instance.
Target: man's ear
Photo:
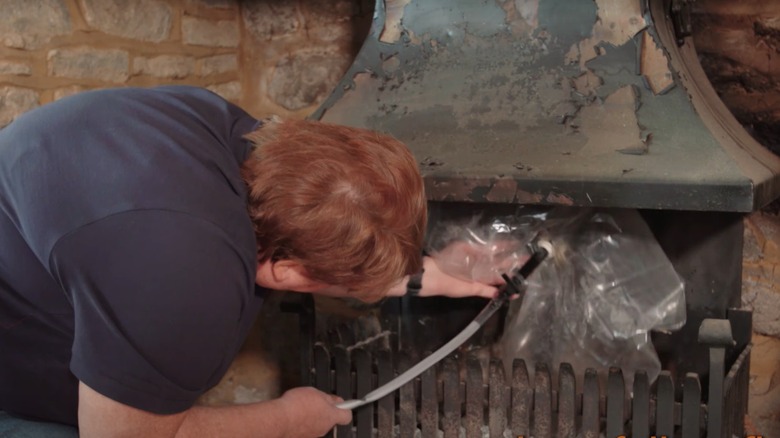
(285, 275)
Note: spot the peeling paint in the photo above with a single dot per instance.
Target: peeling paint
(450, 190)
(654, 65)
(559, 198)
(522, 16)
(394, 15)
(618, 21)
(503, 190)
(612, 125)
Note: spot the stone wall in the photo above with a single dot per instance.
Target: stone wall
(269, 56)
(739, 47)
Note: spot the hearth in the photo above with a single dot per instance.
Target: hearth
(549, 103)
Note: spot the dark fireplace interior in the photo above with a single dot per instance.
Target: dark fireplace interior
(513, 104)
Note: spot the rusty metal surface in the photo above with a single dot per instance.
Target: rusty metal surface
(521, 399)
(475, 398)
(429, 403)
(450, 423)
(567, 404)
(498, 399)
(542, 420)
(407, 407)
(549, 102)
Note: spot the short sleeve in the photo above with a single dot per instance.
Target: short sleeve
(158, 297)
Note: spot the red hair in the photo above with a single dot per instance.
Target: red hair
(348, 204)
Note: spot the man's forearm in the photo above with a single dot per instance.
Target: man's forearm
(266, 419)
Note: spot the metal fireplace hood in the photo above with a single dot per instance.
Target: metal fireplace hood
(585, 103)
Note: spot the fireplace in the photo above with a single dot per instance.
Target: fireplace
(549, 103)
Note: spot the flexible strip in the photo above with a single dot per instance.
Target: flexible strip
(429, 361)
(541, 250)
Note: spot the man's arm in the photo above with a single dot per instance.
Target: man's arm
(436, 282)
(301, 412)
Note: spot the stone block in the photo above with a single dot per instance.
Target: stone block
(203, 32)
(330, 21)
(88, 63)
(14, 68)
(26, 24)
(165, 66)
(228, 90)
(217, 4)
(214, 65)
(306, 78)
(63, 92)
(761, 272)
(145, 20)
(14, 101)
(267, 19)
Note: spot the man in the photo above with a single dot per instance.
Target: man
(140, 230)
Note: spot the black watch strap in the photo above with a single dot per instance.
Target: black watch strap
(414, 284)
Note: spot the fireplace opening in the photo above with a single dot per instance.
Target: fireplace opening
(701, 390)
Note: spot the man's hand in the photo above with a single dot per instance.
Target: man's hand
(312, 413)
(436, 282)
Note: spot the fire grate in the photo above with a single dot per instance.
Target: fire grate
(468, 396)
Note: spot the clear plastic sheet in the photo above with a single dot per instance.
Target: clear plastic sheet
(592, 304)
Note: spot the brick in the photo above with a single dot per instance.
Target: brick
(306, 78)
(14, 68)
(165, 66)
(87, 63)
(28, 24)
(144, 20)
(268, 19)
(203, 32)
(214, 65)
(761, 272)
(229, 90)
(15, 101)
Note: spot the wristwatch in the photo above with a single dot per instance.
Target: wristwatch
(414, 284)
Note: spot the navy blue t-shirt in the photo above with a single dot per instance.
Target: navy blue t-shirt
(127, 258)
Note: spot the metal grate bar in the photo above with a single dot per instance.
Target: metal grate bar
(521, 399)
(591, 397)
(691, 406)
(451, 392)
(567, 402)
(429, 403)
(498, 399)
(364, 417)
(664, 406)
(475, 397)
(616, 393)
(407, 411)
(640, 409)
(343, 384)
(542, 419)
(386, 406)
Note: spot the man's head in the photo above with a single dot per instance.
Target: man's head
(334, 205)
